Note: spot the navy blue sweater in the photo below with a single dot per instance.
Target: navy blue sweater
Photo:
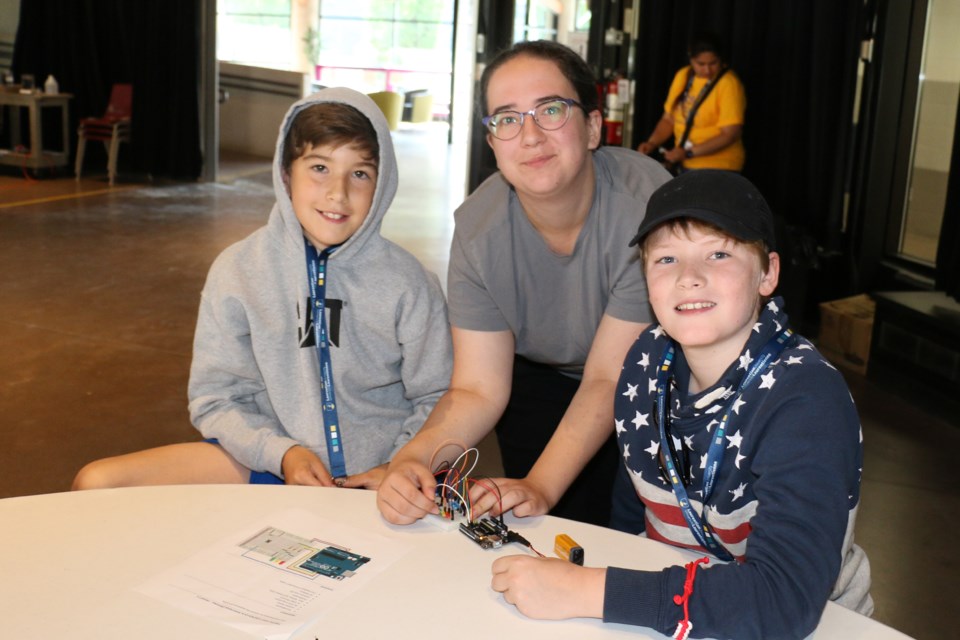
(784, 503)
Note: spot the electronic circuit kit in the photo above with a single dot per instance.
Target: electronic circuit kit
(454, 482)
(453, 498)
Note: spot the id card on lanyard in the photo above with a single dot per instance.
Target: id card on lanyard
(697, 524)
(316, 274)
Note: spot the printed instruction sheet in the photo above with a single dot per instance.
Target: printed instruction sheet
(280, 573)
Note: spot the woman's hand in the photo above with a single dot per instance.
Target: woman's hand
(675, 156)
(522, 496)
(405, 494)
(549, 588)
(302, 466)
(646, 148)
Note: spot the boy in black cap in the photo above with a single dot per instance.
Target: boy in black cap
(739, 440)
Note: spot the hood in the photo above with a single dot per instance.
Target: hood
(386, 174)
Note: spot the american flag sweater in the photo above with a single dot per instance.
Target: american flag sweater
(784, 503)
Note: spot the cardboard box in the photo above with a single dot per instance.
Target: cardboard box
(846, 327)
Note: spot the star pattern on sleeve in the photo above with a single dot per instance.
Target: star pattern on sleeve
(618, 425)
(767, 380)
(640, 420)
(737, 404)
(626, 451)
(740, 457)
(738, 492)
(794, 360)
(735, 440)
(631, 391)
(644, 361)
(653, 449)
(652, 387)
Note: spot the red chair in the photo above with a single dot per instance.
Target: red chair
(111, 129)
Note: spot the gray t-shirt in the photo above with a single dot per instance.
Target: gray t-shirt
(502, 275)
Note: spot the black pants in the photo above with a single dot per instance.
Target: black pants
(539, 398)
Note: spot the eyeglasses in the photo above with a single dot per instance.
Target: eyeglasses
(549, 116)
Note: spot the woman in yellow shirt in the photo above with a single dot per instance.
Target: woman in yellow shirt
(714, 93)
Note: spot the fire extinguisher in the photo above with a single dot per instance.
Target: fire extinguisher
(615, 90)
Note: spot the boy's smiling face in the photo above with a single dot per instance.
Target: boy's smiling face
(705, 288)
(331, 189)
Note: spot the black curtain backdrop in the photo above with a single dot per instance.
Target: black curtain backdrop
(948, 249)
(798, 62)
(89, 45)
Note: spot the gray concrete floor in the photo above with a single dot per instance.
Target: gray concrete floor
(98, 296)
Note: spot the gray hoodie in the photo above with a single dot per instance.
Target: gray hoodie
(254, 380)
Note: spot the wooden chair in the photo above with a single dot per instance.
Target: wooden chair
(111, 129)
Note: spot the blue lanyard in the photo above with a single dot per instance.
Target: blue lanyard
(316, 271)
(698, 526)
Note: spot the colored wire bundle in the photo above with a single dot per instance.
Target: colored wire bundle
(454, 482)
(452, 495)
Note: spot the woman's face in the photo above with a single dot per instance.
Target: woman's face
(706, 65)
(538, 163)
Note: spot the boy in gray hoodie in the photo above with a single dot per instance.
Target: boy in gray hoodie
(321, 347)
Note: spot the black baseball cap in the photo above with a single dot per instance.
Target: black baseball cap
(723, 198)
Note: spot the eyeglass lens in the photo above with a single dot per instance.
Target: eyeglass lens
(549, 116)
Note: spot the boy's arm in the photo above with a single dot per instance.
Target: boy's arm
(479, 391)
(427, 355)
(225, 382)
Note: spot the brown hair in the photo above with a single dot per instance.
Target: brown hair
(571, 65)
(330, 123)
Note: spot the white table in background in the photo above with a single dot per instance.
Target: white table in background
(35, 156)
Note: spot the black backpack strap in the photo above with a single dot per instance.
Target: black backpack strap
(696, 105)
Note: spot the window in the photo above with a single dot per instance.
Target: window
(536, 20)
(932, 135)
(378, 45)
(255, 32)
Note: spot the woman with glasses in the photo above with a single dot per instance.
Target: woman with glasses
(545, 297)
(703, 113)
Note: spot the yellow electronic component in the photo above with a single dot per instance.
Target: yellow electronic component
(565, 547)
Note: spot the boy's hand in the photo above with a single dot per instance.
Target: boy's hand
(302, 466)
(406, 494)
(522, 496)
(549, 588)
(368, 480)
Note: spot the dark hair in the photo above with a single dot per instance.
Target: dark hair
(704, 41)
(571, 65)
(332, 123)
